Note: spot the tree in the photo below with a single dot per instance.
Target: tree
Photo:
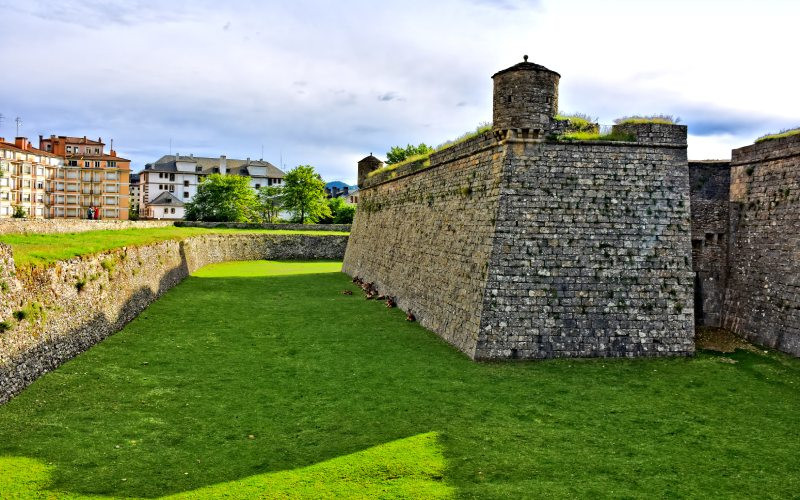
(19, 212)
(304, 194)
(224, 198)
(341, 212)
(270, 203)
(398, 154)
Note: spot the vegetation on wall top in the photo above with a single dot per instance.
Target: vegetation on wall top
(423, 156)
(578, 122)
(638, 119)
(780, 135)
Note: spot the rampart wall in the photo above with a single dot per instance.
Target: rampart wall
(591, 253)
(424, 236)
(710, 191)
(72, 305)
(527, 249)
(762, 301)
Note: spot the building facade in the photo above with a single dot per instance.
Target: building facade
(166, 185)
(91, 183)
(24, 175)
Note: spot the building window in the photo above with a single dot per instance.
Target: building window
(171, 188)
(97, 151)
(258, 186)
(172, 177)
(186, 194)
(97, 164)
(198, 169)
(186, 183)
(87, 164)
(172, 210)
(69, 149)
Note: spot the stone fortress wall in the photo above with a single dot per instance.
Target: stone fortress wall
(74, 304)
(762, 300)
(517, 245)
(710, 188)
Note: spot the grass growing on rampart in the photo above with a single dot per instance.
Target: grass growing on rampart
(425, 159)
(263, 380)
(779, 135)
(43, 249)
(639, 119)
(596, 136)
(579, 122)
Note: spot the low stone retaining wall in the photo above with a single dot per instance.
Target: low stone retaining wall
(244, 225)
(50, 315)
(48, 226)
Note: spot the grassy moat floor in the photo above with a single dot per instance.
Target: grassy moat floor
(262, 380)
(32, 249)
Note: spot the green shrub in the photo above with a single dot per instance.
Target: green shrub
(20, 315)
(3, 286)
(6, 326)
(80, 284)
(109, 264)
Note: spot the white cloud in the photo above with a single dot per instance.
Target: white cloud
(327, 83)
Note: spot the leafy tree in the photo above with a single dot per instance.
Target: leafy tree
(224, 198)
(304, 195)
(341, 212)
(270, 203)
(19, 212)
(398, 154)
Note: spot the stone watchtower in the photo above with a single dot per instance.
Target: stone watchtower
(367, 165)
(525, 100)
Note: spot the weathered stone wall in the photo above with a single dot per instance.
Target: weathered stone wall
(72, 225)
(425, 236)
(72, 305)
(591, 254)
(43, 226)
(523, 249)
(762, 301)
(710, 188)
(244, 225)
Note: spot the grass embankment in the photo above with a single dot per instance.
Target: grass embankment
(259, 379)
(779, 135)
(43, 249)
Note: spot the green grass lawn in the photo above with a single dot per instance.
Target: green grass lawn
(260, 379)
(43, 249)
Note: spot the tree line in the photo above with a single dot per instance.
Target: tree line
(229, 198)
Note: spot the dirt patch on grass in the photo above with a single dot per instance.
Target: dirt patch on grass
(720, 340)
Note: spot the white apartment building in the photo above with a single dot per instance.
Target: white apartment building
(24, 175)
(164, 186)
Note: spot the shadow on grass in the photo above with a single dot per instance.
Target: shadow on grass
(226, 378)
(406, 468)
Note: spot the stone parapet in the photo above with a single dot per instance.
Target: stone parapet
(656, 134)
(245, 225)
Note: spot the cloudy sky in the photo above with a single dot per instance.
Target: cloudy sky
(325, 83)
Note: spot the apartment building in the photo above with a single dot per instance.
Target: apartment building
(24, 174)
(89, 179)
(166, 185)
(133, 194)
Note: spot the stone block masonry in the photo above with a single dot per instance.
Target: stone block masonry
(515, 245)
(710, 188)
(72, 305)
(762, 300)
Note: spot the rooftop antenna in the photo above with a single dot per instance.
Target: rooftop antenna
(18, 120)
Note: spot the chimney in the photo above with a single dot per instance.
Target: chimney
(21, 143)
(112, 153)
(41, 146)
(223, 164)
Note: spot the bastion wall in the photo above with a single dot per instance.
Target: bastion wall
(762, 301)
(72, 305)
(519, 248)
